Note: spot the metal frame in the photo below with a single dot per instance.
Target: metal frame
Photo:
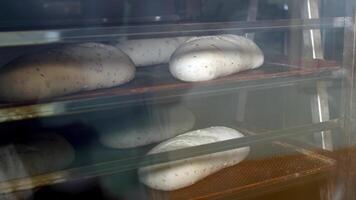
(348, 102)
(16, 38)
(313, 48)
(242, 96)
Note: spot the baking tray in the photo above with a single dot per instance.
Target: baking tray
(273, 168)
(155, 83)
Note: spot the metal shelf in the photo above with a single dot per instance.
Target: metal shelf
(154, 84)
(116, 166)
(16, 38)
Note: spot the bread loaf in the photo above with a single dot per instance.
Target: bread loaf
(65, 70)
(34, 155)
(144, 126)
(30, 156)
(209, 57)
(155, 51)
(182, 173)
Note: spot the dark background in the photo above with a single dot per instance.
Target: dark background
(40, 14)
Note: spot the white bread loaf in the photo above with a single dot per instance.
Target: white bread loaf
(210, 57)
(182, 173)
(145, 126)
(65, 70)
(154, 51)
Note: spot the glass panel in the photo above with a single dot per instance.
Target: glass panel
(176, 99)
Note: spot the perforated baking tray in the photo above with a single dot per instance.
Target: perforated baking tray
(270, 167)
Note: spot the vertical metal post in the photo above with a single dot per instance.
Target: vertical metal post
(348, 101)
(313, 49)
(312, 37)
(242, 96)
(295, 43)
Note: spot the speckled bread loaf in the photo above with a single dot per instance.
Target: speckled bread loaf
(145, 126)
(179, 174)
(65, 70)
(145, 52)
(209, 57)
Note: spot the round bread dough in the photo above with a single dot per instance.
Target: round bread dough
(182, 173)
(65, 70)
(145, 52)
(30, 156)
(209, 57)
(34, 155)
(145, 125)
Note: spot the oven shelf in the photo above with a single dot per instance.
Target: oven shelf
(155, 84)
(111, 163)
